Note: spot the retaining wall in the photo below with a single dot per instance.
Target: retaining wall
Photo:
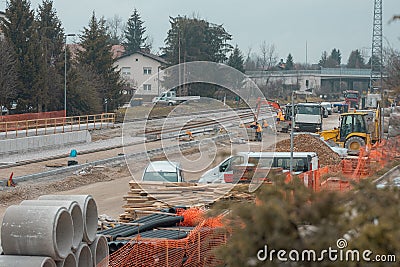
(32, 143)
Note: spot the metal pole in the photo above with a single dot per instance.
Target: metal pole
(65, 77)
(65, 73)
(291, 136)
(158, 79)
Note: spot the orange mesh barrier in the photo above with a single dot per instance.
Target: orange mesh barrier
(197, 249)
(32, 116)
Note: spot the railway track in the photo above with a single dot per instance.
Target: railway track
(245, 115)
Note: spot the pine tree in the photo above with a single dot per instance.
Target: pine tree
(51, 39)
(18, 28)
(8, 75)
(289, 62)
(356, 60)
(336, 56)
(324, 58)
(134, 33)
(236, 59)
(96, 55)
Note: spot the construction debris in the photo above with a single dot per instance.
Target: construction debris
(307, 143)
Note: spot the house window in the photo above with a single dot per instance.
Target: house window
(147, 87)
(126, 71)
(147, 70)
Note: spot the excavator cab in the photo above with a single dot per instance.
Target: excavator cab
(353, 132)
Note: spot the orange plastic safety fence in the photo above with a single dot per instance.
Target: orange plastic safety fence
(32, 116)
(197, 249)
(192, 216)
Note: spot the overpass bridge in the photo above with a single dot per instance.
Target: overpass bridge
(322, 81)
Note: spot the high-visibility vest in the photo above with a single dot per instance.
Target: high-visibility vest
(259, 129)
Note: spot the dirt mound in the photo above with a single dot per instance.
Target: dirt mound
(308, 143)
(34, 190)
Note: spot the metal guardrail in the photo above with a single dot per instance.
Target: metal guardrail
(56, 125)
(321, 72)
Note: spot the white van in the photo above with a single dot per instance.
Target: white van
(163, 171)
(302, 162)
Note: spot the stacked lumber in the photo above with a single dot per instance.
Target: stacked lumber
(151, 197)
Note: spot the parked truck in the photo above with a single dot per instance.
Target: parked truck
(169, 98)
(308, 117)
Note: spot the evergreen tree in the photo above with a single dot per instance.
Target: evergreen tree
(96, 55)
(18, 28)
(8, 75)
(323, 60)
(134, 33)
(236, 59)
(192, 39)
(51, 61)
(356, 60)
(289, 62)
(336, 56)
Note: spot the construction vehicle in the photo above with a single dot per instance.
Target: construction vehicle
(308, 117)
(169, 98)
(357, 129)
(352, 98)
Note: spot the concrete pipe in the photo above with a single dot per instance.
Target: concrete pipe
(69, 261)
(31, 261)
(37, 231)
(89, 210)
(99, 249)
(73, 208)
(83, 256)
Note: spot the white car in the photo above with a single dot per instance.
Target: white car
(4, 110)
(394, 183)
(327, 106)
(163, 171)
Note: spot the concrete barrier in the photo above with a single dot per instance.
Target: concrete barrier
(37, 231)
(34, 143)
(74, 209)
(89, 212)
(31, 261)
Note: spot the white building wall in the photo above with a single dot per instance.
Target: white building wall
(132, 70)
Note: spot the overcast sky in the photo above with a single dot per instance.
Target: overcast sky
(288, 24)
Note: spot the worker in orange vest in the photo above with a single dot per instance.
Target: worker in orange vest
(259, 132)
(279, 116)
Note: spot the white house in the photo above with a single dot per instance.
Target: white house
(141, 72)
(2, 15)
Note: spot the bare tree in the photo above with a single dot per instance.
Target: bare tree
(392, 59)
(116, 28)
(8, 76)
(268, 57)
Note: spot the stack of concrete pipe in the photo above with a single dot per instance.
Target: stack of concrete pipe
(55, 230)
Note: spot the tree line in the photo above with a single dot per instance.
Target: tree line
(34, 60)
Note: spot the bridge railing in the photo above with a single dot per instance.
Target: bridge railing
(323, 71)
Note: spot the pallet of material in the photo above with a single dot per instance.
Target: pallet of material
(152, 196)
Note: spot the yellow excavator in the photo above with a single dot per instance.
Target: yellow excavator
(357, 129)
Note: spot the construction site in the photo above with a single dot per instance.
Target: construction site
(93, 192)
(276, 166)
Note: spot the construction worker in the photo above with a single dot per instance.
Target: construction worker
(280, 116)
(259, 132)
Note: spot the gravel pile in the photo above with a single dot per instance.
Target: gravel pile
(308, 143)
